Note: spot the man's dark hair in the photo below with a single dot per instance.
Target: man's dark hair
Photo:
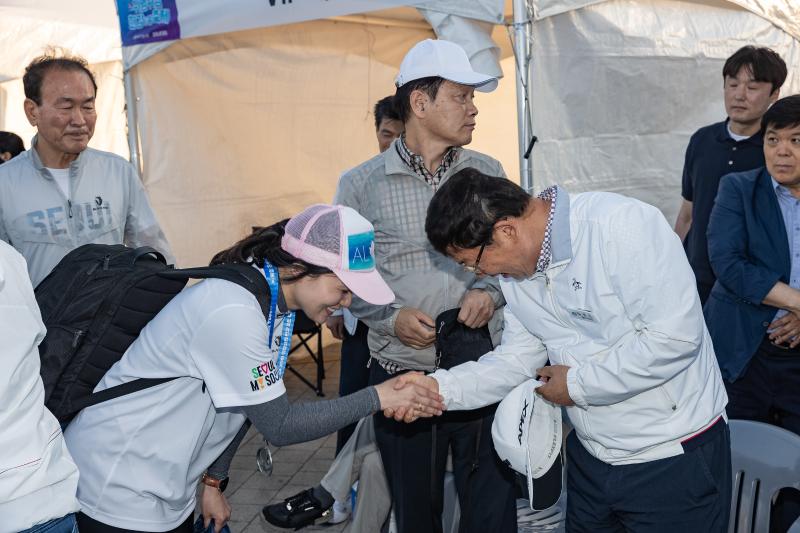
(785, 113)
(385, 110)
(11, 143)
(40, 66)
(764, 64)
(463, 212)
(402, 98)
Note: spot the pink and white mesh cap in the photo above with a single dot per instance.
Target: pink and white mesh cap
(337, 237)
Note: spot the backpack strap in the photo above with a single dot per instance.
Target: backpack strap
(118, 390)
(147, 250)
(243, 275)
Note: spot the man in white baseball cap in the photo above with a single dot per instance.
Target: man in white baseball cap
(434, 99)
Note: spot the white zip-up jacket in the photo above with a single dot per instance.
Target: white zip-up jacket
(619, 306)
(106, 205)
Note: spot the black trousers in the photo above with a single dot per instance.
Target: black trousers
(415, 456)
(354, 373)
(87, 524)
(688, 493)
(704, 290)
(769, 392)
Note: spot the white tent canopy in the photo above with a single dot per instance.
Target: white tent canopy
(620, 85)
(781, 13)
(262, 121)
(199, 18)
(242, 128)
(85, 27)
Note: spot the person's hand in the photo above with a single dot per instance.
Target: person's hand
(785, 330)
(555, 385)
(214, 506)
(415, 399)
(414, 328)
(477, 308)
(336, 325)
(407, 414)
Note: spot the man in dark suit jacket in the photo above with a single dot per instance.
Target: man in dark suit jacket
(753, 313)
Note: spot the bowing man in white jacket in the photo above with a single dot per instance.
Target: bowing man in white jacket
(599, 285)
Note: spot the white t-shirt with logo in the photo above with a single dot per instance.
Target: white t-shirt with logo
(142, 455)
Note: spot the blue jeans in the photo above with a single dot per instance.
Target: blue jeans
(65, 524)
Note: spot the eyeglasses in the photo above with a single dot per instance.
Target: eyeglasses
(475, 269)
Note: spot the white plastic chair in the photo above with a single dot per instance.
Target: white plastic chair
(765, 459)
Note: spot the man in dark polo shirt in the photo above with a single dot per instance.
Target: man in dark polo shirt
(752, 78)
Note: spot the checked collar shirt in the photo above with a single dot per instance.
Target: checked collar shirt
(549, 195)
(415, 162)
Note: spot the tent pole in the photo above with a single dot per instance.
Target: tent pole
(133, 124)
(522, 18)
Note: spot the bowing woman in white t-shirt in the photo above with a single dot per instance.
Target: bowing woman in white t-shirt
(141, 456)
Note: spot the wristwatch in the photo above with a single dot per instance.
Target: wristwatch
(220, 484)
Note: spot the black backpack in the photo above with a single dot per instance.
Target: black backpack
(94, 304)
(457, 343)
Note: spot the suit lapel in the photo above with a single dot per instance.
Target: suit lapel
(768, 210)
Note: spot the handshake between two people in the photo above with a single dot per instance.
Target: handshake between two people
(410, 396)
(414, 395)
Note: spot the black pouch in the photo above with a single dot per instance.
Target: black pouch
(457, 343)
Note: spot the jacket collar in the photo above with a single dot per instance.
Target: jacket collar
(37, 161)
(393, 162)
(769, 210)
(560, 238)
(395, 165)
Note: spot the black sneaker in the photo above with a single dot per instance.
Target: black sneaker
(297, 511)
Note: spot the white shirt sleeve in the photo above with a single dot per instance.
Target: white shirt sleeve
(230, 351)
(488, 380)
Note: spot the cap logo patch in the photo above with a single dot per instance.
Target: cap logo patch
(522, 421)
(359, 249)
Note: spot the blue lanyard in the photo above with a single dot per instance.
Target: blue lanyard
(273, 281)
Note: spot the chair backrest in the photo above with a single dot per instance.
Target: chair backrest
(765, 459)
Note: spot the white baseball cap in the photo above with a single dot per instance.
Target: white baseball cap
(443, 59)
(527, 432)
(338, 238)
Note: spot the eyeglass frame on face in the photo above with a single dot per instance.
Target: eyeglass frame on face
(474, 268)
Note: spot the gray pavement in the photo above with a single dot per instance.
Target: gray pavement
(301, 466)
(297, 467)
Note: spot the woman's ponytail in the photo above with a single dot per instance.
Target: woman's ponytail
(265, 244)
